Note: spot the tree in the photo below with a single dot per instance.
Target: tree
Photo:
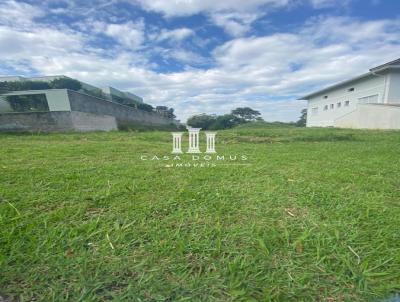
(203, 121)
(165, 111)
(303, 119)
(170, 113)
(246, 113)
(214, 122)
(66, 83)
(145, 107)
(23, 85)
(61, 83)
(226, 121)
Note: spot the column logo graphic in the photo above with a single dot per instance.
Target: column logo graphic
(194, 138)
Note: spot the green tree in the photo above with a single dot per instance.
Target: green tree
(66, 83)
(170, 113)
(203, 121)
(145, 107)
(246, 113)
(23, 85)
(303, 119)
(226, 121)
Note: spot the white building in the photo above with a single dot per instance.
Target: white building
(370, 101)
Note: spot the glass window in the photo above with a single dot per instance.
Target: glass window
(346, 103)
(325, 107)
(332, 106)
(339, 105)
(24, 103)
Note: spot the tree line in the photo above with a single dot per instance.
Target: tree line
(240, 115)
(237, 116)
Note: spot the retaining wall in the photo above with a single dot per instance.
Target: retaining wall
(56, 121)
(125, 116)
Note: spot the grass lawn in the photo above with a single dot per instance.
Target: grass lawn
(312, 215)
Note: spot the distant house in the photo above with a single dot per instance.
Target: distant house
(89, 108)
(369, 101)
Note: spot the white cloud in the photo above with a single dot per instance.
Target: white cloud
(235, 24)
(178, 34)
(18, 14)
(128, 34)
(265, 72)
(234, 16)
(328, 3)
(191, 7)
(183, 56)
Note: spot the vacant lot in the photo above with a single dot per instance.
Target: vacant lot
(311, 215)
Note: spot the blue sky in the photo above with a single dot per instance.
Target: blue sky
(202, 56)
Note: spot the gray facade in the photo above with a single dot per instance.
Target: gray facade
(74, 111)
(57, 121)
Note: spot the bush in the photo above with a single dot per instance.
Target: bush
(202, 121)
(61, 83)
(145, 107)
(23, 85)
(66, 83)
(214, 122)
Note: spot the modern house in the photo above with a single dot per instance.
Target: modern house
(86, 109)
(368, 101)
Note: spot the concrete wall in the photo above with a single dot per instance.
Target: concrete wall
(82, 121)
(36, 121)
(371, 116)
(393, 94)
(56, 122)
(370, 85)
(124, 115)
(71, 110)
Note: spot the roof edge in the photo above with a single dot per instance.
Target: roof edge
(335, 85)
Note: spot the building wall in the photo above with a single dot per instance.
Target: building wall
(36, 121)
(62, 121)
(125, 116)
(371, 85)
(393, 94)
(71, 110)
(371, 116)
(82, 121)
(57, 99)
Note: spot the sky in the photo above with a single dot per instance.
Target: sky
(202, 56)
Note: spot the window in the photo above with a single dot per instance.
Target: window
(346, 103)
(338, 105)
(369, 99)
(314, 111)
(332, 106)
(24, 103)
(325, 96)
(350, 89)
(325, 107)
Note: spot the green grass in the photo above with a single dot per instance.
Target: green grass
(313, 215)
